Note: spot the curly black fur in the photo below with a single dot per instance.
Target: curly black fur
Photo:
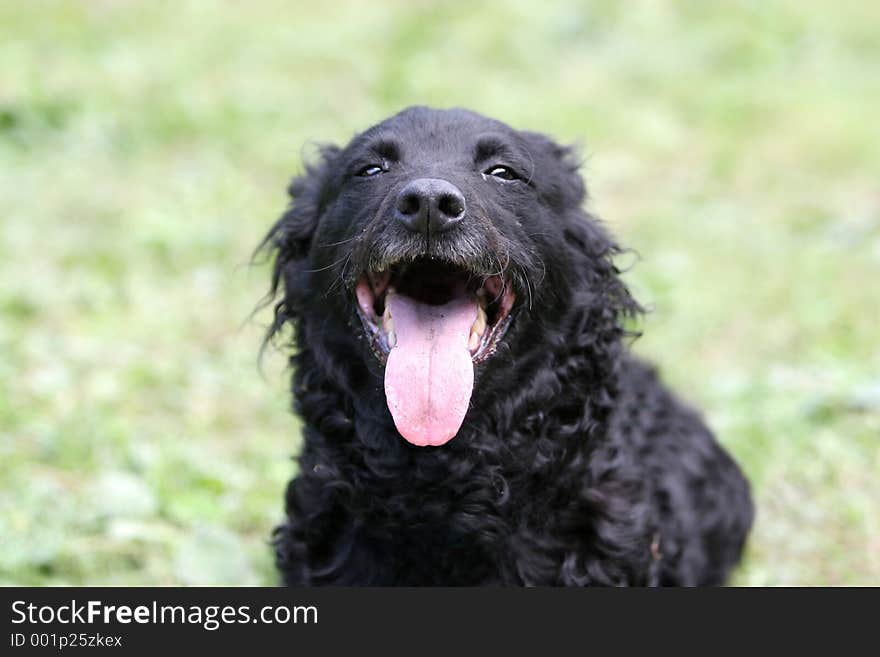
(574, 465)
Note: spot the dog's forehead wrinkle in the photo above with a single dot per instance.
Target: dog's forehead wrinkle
(489, 145)
(380, 148)
(439, 132)
(504, 153)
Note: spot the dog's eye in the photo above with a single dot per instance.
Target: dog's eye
(371, 170)
(503, 172)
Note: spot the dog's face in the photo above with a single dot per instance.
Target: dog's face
(436, 240)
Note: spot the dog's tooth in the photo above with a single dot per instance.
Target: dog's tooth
(387, 323)
(387, 319)
(473, 341)
(388, 327)
(479, 325)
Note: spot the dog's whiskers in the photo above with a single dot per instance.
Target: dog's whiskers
(543, 270)
(339, 279)
(528, 288)
(330, 266)
(340, 243)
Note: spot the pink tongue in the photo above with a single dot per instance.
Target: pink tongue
(429, 375)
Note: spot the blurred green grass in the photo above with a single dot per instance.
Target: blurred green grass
(144, 149)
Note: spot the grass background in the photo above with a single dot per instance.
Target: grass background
(144, 150)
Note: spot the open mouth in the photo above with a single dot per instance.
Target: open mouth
(432, 283)
(430, 322)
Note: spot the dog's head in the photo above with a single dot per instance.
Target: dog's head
(441, 247)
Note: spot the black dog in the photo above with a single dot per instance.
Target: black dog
(472, 415)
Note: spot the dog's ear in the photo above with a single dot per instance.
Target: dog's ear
(290, 238)
(558, 165)
(292, 234)
(594, 274)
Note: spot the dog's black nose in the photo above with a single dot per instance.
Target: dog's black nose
(429, 205)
